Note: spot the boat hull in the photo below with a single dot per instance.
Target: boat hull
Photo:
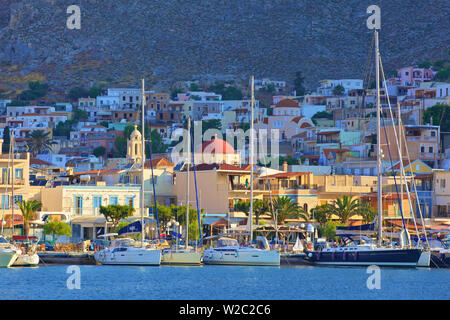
(140, 257)
(7, 259)
(388, 257)
(262, 258)
(181, 257)
(26, 260)
(440, 259)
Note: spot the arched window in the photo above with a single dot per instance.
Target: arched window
(135, 149)
(305, 207)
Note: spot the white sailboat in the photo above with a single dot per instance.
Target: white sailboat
(8, 253)
(126, 251)
(228, 251)
(360, 250)
(186, 255)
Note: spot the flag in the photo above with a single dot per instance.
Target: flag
(132, 228)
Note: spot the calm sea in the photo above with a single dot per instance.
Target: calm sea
(222, 282)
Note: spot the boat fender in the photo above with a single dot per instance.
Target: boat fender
(332, 256)
(343, 256)
(355, 255)
(236, 253)
(310, 255)
(112, 255)
(318, 255)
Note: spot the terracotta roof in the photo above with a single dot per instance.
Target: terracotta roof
(328, 132)
(265, 121)
(328, 151)
(305, 125)
(297, 119)
(40, 162)
(406, 163)
(96, 171)
(229, 167)
(301, 134)
(287, 103)
(160, 162)
(217, 145)
(285, 175)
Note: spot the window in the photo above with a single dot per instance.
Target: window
(129, 201)
(442, 183)
(5, 201)
(422, 149)
(430, 149)
(113, 200)
(96, 203)
(433, 133)
(78, 204)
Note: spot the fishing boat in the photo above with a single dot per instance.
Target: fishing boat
(361, 250)
(228, 251)
(186, 255)
(127, 251)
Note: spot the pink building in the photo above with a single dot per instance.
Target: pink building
(410, 76)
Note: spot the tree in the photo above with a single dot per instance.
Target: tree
(165, 214)
(193, 220)
(79, 114)
(28, 209)
(77, 93)
(242, 206)
(260, 207)
(285, 209)
(99, 151)
(36, 90)
(345, 208)
(321, 214)
(114, 213)
(328, 230)
(211, 124)
(6, 140)
(440, 113)
(443, 75)
(39, 142)
(367, 212)
(193, 87)
(157, 143)
(425, 65)
(175, 92)
(298, 84)
(338, 90)
(57, 229)
(63, 129)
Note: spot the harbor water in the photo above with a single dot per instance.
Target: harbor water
(221, 282)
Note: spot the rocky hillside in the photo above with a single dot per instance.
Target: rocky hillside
(167, 40)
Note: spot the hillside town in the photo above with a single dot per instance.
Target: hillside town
(76, 155)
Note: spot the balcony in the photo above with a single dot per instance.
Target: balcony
(429, 138)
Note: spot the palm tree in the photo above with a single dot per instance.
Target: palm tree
(285, 209)
(39, 141)
(345, 208)
(260, 207)
(28, 209)
(302, 213)
(367, 212)
(321, 214)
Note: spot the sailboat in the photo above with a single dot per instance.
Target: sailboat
(359, 250)
(126, 251)
(26, 256)
(228, 251)
(186, 255)
(8, 253)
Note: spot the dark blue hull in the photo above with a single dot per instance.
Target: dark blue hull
(440, 260)
(384, 257)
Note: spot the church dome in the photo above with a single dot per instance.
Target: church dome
(217, 145)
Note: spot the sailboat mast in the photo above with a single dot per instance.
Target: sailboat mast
(250, 215)
(379, 173)
(188, 160)
(142, 161)
(400, 155)
(12, 181)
